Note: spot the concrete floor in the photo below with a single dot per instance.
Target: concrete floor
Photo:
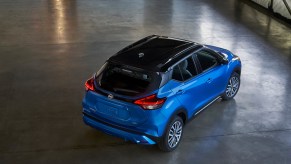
(48, 48)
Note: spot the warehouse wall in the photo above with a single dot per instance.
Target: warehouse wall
(264, 3)
(278, 6)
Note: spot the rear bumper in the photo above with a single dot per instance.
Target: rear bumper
(134, 136)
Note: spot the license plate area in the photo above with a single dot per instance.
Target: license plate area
(112, 110)
(107, 110)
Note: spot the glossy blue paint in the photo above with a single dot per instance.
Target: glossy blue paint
(140, 139)
(131, 122)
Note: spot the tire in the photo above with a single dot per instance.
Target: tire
(173, 135)
(232, 87)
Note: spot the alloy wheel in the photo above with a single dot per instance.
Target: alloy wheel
(232, 86)
(175, 134)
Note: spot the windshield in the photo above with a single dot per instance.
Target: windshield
(126, 81)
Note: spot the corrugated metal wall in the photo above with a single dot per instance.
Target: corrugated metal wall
(278, 6)
(264, 3)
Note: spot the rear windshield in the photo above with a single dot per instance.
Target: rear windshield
(126, 81)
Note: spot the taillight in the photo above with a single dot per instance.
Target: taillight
(150, 102)
(89, 85)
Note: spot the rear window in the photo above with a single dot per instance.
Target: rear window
(126, 81)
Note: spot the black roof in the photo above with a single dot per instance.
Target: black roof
(154, 53)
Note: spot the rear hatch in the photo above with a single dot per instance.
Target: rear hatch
(116, 87)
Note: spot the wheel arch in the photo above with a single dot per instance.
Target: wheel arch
(181, 112)
(237, 70)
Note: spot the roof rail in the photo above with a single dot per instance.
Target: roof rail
(143, 40)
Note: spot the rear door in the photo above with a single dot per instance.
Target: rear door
(190, 91)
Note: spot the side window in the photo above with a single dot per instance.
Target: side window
(185, 70)
(176, 75)
(206, 60)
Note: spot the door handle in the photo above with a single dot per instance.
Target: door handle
(180, 92)
(209, 80)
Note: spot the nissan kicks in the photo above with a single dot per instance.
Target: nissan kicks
(148, 91)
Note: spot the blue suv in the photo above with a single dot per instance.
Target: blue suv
(148, 91)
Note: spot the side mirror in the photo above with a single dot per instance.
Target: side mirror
(223, 59)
